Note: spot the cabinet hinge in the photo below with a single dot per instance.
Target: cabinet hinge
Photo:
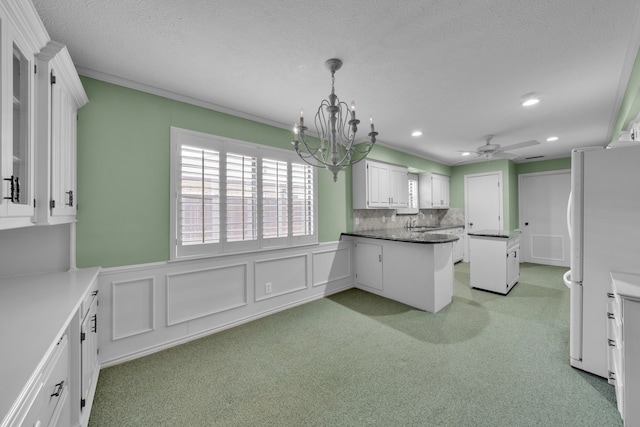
(83, 336)
(83, 403)
(34, 203)
(52, 204)
(35, 69)
(53, 79)
(97, 351)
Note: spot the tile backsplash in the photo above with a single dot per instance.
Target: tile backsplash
(376, 219)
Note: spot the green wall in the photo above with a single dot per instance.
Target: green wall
(456, 186)
(123, 173)
(123, 170)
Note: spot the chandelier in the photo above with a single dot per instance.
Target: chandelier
(336, 126)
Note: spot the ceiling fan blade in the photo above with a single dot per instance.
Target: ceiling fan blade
(505, 155)
(469, 159)
(520, 145)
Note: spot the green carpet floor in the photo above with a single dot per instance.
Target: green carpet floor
(356, 359)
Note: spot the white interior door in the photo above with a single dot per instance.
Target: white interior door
(543, 217)
(483, 201)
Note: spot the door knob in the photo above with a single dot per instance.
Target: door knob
(526, 223)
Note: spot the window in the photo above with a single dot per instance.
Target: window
(231, 196)
(412, 205)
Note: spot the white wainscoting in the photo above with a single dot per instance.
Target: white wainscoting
(151, 307)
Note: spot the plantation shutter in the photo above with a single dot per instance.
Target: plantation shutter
(275, 194)
(302, 221)
(413, 192)
(242, 197)
(199, 196)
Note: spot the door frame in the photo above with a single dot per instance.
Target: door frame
(466, 205)
(521, 210)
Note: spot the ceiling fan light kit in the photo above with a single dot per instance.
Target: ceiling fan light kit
(530, 99)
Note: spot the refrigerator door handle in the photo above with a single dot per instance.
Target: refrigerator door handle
(569, 215)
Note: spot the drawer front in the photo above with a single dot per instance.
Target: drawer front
(55, 385)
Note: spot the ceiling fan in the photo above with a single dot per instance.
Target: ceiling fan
(490, 150)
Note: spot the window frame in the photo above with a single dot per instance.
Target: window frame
(223, 146)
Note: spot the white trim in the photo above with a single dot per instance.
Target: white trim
(156, 348)
(223, 145)
(296, 289)
(142, 87)
(152, 316)
(466, 197)
(524, 236)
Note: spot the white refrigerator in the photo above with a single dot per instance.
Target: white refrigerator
(604, 226)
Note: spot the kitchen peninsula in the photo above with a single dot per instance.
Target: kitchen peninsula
(410, 265)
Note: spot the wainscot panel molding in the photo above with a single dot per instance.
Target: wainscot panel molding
(282, 275)
(151, 307)
(133, 309)
(198, 293)
(331, 265)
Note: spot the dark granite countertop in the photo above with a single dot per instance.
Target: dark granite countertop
(406, 235)
(504, 234)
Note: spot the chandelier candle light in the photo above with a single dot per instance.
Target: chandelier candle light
(336, 125)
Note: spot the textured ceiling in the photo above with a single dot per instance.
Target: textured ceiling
(454, 69)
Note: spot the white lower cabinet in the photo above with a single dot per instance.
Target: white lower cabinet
(89, 352)
(494, 262)
(623, 330)
(50, 374)
(416, 274)
(51, 404)
(368, 259)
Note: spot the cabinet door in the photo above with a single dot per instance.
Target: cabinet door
(377, 185)
(425, 191)
(399, 187)
(440, 191)
(513, 266)
(17, 124)
(63, 152)
(368, 265)
(89, 351)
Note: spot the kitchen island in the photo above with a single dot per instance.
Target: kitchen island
(410, 265)
(494, 258)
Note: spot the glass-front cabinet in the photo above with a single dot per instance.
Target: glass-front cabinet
(17, 57)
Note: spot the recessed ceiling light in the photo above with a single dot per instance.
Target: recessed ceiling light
(530, 99)
(416, 133)
(552, 138)
(466, 153)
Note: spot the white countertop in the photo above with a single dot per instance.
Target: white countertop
(626, 285)
(34, 312)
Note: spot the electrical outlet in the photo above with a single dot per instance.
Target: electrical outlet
(393, 218)
(384, 219)
(357, 220)
(267, 288)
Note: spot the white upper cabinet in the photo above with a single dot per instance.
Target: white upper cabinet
(59, 95)
(379, 185)
(434, 191)
(399, 180)
(41, 93)
(21, 37)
